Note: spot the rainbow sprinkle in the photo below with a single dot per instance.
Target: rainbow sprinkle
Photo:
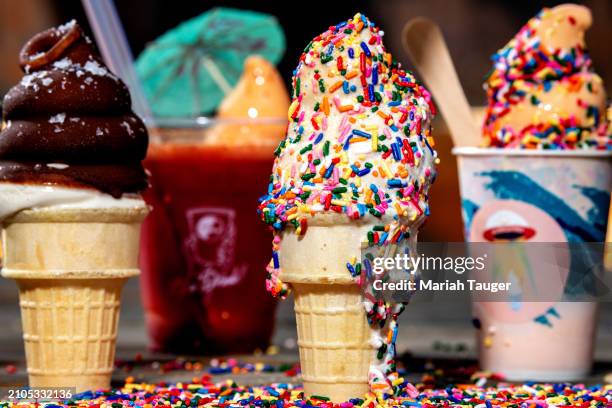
(542, 98)
(202, 392)
(359, 143)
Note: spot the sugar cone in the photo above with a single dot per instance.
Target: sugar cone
(333, 332)
(70, 266)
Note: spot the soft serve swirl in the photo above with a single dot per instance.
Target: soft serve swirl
(542, 92)
(69, 120)
(358, 144)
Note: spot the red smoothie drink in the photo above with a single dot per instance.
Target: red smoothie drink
(204, 251)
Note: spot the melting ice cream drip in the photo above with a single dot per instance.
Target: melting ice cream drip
(358, 144)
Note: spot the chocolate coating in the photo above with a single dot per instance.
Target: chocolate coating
(51, 45)
(114, 179)
(78, 139)
(43, 93)
(69, 121)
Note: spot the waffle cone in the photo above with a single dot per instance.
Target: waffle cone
(70, 266)
(333, 332)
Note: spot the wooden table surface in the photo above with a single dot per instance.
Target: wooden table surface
(432, 331)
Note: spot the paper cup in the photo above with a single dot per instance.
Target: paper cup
(547, 196)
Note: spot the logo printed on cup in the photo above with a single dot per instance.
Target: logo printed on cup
(210, 248)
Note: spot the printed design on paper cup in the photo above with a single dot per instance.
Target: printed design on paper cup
(210, 248)
(469, 208)
(598, 214)
(515, 221)
(557, 220)
(514, 185)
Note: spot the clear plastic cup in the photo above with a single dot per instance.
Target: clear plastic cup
(204, 249)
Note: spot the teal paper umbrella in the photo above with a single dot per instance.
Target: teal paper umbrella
(188, 70)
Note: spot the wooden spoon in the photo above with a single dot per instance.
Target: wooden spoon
(425, 44)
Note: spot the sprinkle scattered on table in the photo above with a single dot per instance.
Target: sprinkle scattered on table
(202, 392)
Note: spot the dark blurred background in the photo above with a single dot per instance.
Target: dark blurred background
(474, 30)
